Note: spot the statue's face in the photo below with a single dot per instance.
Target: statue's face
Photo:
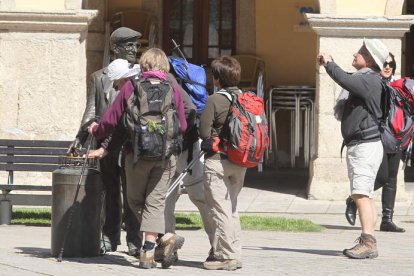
(126, 50)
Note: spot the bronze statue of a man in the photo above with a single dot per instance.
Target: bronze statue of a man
(100, 95)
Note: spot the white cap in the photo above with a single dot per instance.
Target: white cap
(378, 50)
(119, 69)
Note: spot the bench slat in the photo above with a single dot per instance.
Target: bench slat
(15, 187)
(31, 200)
(29, 159)
(28, 167)
(35, 143)
(33, 151)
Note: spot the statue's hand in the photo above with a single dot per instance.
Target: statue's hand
(74, 148)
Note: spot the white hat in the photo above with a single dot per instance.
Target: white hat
(119, 69)
(378, 50)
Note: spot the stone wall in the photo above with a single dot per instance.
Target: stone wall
(96, 37)
(42, 73)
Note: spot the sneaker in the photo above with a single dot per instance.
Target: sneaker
(365, 249)
(169, 247)
(146, 259)
(133, 250)
(221, 265)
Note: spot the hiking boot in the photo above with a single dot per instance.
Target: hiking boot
(133, 250)
(159, 255)
(169, 247)
(366, 248)
(146, 259)
(350, 211)
(212, 258)
(221, 265)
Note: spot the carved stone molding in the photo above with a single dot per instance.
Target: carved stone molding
(392, 7)
(360, 26)
(57, 21)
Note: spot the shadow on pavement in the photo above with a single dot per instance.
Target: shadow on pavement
(35, 252)
(106, 259)
(189, 264)
(340, 227)
(285, 181)
(307, 251)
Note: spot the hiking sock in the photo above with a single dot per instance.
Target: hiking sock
(166, 236)
(148, 246)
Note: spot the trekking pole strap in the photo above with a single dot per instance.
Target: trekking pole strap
(183, 174)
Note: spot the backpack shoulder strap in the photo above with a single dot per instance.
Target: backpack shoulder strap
(229, 94)
(226, 94)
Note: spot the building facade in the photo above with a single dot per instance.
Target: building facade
(49, 47)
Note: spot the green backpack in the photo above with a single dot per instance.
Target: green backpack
(152, 121)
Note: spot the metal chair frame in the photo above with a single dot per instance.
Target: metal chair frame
(296, 100)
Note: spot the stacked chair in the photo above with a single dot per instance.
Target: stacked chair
(299, 100)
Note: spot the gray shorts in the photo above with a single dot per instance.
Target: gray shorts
(363, 161)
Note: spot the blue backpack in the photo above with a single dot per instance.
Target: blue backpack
(194, 78)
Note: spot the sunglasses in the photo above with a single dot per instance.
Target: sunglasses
(390, 63)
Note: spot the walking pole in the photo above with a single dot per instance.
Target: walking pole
(184, 173)
(177, 47)
(69, 224)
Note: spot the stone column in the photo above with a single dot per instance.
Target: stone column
(42, 73)
(7, 4)
(73, 4)
(341, 36)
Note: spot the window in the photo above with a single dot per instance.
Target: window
(202, 35)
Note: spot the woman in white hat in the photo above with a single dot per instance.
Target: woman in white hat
(119, 73)
(147, 182)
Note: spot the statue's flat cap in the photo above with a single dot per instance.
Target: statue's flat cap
(124, 33)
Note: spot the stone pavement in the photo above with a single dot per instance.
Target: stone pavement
(260, 201)
(26, 250)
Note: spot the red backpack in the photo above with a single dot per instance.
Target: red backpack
(245, 132)
(405, 88)
(397, 125)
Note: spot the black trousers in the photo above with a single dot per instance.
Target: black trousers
(114, 206)
(388, 170)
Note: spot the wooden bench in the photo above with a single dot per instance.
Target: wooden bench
(28, 156)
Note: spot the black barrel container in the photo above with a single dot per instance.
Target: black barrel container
(83, 237)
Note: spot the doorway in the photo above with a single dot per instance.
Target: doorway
(202, 35)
